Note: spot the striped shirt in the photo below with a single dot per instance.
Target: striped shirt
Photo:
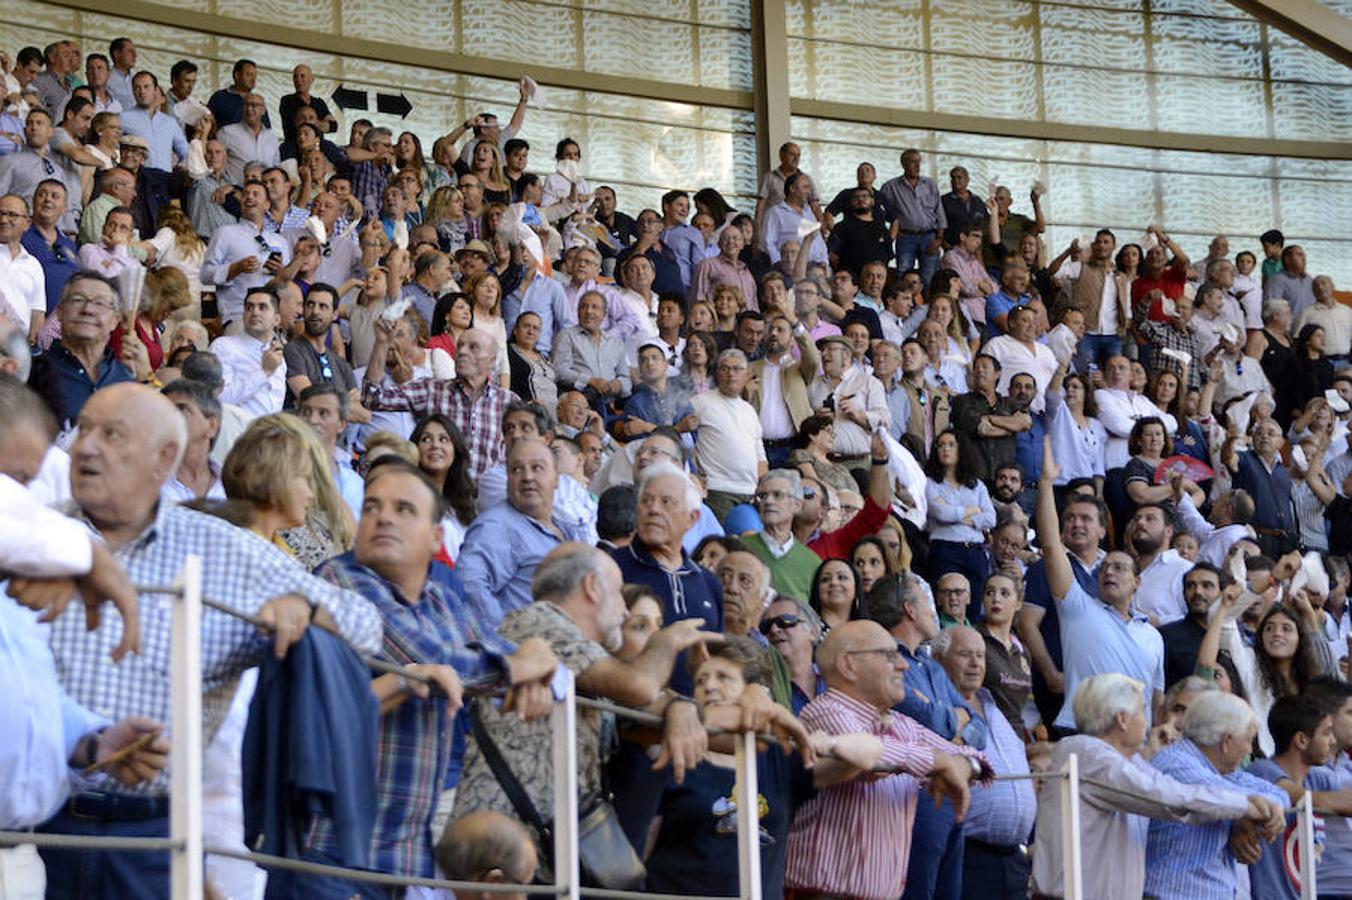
(478, 418)
(1195, 861)
(240, 570)
(1003, 813)
(854, 839)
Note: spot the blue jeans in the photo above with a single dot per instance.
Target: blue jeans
(1096, 349)
(105, 874)
(913, 247)
(935, 868)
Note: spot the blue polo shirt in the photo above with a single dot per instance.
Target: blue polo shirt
(62, 382)
(1096, 639)
(58, 260)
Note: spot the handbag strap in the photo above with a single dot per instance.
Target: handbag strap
(507, 780)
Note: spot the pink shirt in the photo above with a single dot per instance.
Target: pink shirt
(854, 839)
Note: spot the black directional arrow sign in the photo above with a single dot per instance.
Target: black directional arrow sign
(393, 105)
(346, 98)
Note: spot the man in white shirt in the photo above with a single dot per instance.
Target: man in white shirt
(243, 256)
(1100, 292)
(249, 140)
(1231, 514)
(21, 277)
(1334, 317)
(1159, 591)
(1019, 352)
(1119, 407)
(251, 361)
(729, 450)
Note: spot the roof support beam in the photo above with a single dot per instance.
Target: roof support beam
(1308, 21)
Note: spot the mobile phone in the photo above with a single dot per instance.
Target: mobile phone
(275, 256)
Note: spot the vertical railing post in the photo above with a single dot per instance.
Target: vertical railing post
(1305, 838)
(185, 739)
(746, 792)
(1072, 878)
(564, 722)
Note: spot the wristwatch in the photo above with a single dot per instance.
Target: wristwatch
(87, 750)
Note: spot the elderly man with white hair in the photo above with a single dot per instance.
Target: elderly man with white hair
(130, 441)
(1193, 860)
(668, 506)
(1114, 821)
(729, 449)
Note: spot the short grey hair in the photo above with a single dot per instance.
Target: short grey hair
(1216, 714)
(940, 646)
(733, 353)
(1216, 266)
(693, 500)
(374, 135)
(1190, 685)
(1273, 306)
(792, 476)
(1099, 700)
(559, 576)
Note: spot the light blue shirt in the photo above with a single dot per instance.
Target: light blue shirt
(1004, 812)
(899, 405)
(162, 130)
(40, 722)
(1335, 866)
(781, 225)
(235, 242)
(1194, 860)
(705, 526)
(1096, 639)
(574, 505)
(119, 87)
(498, 558)
(687, 244)
(947, 506)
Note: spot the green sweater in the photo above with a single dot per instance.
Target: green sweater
(791, 574)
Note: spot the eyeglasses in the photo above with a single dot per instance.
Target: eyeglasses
(650, 452)
(80, 300)
(890, 655)
(11, 214)
(783, 623)
(48, 167)
(762, 496)
(324, 362)
(809, 493)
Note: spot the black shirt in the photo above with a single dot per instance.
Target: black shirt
(858, 242)
(291, 104)
(960, 214)
(1182, 640)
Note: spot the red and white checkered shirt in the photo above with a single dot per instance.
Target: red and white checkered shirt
(478, 418)
(854, 839)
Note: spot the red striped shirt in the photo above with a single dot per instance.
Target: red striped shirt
(854, 839)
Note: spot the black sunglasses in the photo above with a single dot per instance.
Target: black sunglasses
(784, 623)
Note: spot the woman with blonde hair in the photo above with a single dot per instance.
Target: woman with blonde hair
(104, 139)
(387, 443)
(177, 246)
(485, 293)
(446, 213)
(280, 467)
(165, 292)
(486, 163)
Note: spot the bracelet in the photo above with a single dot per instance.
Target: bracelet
(879, 462)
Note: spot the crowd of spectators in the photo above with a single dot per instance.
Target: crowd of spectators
(887, 475)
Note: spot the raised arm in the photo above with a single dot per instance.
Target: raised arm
(1060, 576)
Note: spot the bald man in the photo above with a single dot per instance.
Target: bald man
(863, 670)
(130, 441)
(487, 846)
(303, 78)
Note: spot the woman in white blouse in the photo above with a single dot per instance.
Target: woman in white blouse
(1078, 437)
(959, 510)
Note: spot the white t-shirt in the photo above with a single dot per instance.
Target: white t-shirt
(728, 449)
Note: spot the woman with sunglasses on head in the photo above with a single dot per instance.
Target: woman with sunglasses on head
(695, 850)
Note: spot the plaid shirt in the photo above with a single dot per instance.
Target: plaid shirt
(1164, 335)
(415, 738)
(369, 181)
(239, 569)
(478, 418)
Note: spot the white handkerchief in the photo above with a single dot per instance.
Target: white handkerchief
(806, 227)
(533, 92)
(1335, 401)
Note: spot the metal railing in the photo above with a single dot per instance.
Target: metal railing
(187, 849)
